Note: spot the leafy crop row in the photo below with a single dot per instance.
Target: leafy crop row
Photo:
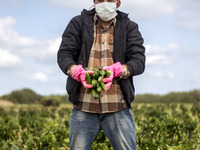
(158, 126)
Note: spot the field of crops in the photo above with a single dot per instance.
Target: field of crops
(158, 126)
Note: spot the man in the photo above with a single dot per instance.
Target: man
(104, 37)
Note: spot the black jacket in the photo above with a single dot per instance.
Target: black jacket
(77, 41)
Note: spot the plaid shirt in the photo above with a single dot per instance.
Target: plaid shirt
(102, 55)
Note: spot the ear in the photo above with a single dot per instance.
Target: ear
(118, 3)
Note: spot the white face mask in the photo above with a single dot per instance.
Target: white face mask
(106, 10)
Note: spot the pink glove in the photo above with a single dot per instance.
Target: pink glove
(116, 70)
(108, 85)
(79, 74)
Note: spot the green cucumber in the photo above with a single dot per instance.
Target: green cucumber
(95, 94)
(88, 78)
(107, 73)
(103, 85)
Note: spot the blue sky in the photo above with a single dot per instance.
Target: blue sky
(31, 30)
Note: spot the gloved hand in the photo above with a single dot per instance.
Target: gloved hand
(108, 85)
(79, 74)
(116, 70)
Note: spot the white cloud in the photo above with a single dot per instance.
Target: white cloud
(156, 49)
(43, 51)
(10, 38)
(152, 49)
(39, 76)
(53, 46)
(159, 60)
(168, 75)
(8, 60)
(148, 8)
(187, 11)
(7, 22)
(5, 29)
(142, 8)
(26, 47)
(156, 55)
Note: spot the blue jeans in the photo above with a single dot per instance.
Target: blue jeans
(119, 127)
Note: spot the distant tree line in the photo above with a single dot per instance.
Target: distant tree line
(28, 96)
(186, 97)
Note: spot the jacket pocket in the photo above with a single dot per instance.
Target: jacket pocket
(73, 88)
(128, 90)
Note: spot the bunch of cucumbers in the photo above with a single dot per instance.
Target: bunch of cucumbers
(96, 80)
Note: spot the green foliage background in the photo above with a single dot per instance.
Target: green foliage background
(163, 122)
(159, 126)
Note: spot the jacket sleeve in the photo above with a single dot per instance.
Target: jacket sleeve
(71, 44)
(135, 51)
